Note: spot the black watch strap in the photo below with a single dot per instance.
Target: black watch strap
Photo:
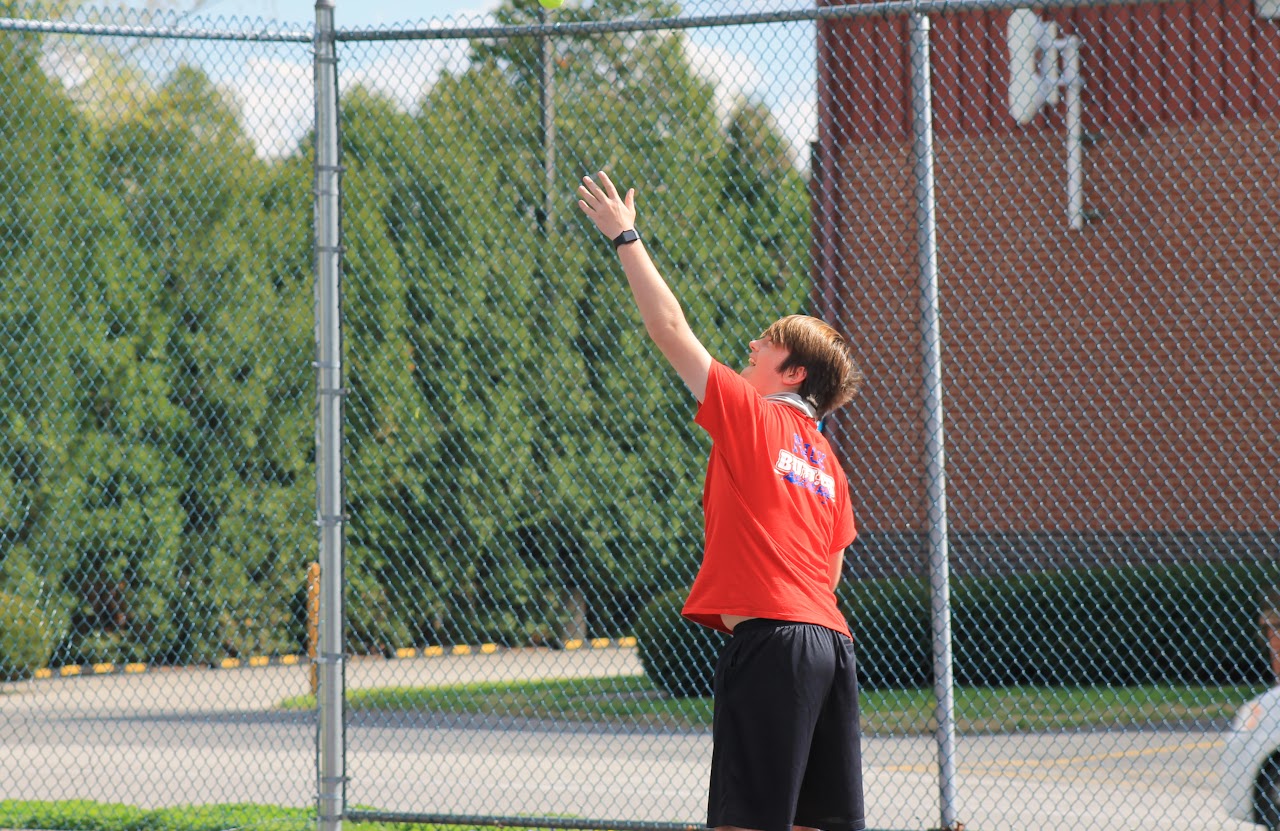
(625, 237)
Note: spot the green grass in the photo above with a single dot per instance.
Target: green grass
(83, 815)
(628, 698)
(632, 699)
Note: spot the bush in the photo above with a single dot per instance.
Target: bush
(889, 620)
(27, 637)
(678, 656)
(1187, 624)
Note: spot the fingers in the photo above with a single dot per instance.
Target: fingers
(596, 198)
(603, 191)
(609, 189)
(590, 196)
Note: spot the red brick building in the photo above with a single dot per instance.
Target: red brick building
(1111, 394)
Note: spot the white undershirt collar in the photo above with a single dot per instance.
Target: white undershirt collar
(793, 400)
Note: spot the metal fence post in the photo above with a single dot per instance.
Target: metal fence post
(547, 112)
(935, 461)
(331, 749)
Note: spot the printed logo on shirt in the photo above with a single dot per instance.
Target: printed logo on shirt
(802, 466)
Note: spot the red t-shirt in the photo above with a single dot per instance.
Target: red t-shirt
(777, 511)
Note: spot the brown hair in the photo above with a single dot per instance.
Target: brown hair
(831, 376)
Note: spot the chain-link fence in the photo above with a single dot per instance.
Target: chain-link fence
(156, 416)
(517, 509)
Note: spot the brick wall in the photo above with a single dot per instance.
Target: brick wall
(1116, 381)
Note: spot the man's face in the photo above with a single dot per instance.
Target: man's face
(763, 370)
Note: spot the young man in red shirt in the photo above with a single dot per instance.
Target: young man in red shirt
(778, 518)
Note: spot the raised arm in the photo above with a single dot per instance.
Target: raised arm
(659, 309)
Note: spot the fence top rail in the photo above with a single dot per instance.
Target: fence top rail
(445, 30)
(881, 8)
(165, 32)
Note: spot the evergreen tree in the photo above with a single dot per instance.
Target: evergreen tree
(90, 512)
(227, 239)
(518, 448)
(517, 454)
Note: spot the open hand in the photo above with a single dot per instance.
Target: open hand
(600, 202)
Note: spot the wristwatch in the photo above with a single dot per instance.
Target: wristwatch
(625, 237)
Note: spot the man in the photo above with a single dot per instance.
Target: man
(778, 518)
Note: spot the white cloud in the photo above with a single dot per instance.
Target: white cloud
(276, 98)
(798, 121)
(736, 76)
(69, 65)
(276, 103)
(408, 71)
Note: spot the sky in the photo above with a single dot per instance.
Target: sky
(772, 64)
(360, 13)
(350, 13)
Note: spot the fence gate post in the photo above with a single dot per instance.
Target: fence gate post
(934, 451)
(330, 747)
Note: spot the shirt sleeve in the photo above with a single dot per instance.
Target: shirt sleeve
(846, 530)
(731, 411)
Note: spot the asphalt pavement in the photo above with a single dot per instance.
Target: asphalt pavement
(184, 736)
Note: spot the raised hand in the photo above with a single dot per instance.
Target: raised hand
(601, 203)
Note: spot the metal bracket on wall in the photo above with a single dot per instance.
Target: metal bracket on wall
(1040, 64)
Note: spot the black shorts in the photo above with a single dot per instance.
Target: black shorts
(787, 749)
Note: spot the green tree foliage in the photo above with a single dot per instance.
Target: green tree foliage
(155, 416)
(517, 455)
(28, 635)
(518, 448)
(227, 242)
(88, 490)
(679, 656)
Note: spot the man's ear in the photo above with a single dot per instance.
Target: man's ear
(794, 376)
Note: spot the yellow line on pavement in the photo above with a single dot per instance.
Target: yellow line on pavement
(1098, 757)
(229, 662)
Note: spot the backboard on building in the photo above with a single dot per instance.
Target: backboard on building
(1033, 64)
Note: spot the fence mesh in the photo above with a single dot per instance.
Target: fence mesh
(157, 409)
(522, 474)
